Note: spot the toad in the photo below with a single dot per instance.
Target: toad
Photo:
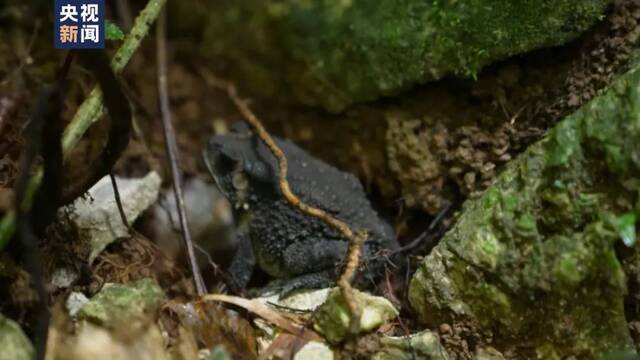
(280, 239)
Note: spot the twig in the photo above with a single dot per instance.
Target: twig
(418, 241)
(355, 239)
(90, 110)
(172, 152)
(116, 194)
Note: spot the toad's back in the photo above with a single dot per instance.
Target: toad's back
(320, 185)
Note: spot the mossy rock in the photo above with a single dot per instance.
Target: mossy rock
(423, 345)
(532, 260)
(14, 343)
(332, 319)
(336, 53)
(117, 303)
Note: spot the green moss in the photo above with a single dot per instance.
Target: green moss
(14, 343)
(487, 248)
(120, 302)
(555, 214)
(625, 225)
(492, 305)
(336, 53)
(567, 269)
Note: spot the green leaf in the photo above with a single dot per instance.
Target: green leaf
(113, 32)
(626, 227)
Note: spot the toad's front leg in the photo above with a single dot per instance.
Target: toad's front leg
(243, 262)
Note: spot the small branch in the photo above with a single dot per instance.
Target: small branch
(172, 153)
(422, 237)
(355, 239)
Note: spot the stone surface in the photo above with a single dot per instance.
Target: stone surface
(337, 53)
(210, 220)
(116, 302)
(95, 217)
(488, 354)
(75, 302)
(63, 277)
(14, 344)
(533, 257)
(332, 318)
(299, 300)
(314, 350)
(138, 341)
(423, 345)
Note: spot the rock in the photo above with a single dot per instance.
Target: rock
(210, 219)
(488, 353)
(300, 300)
(137, 341)
(14, 343)
(116, 302)
(423, 345)
(63, 277)
(218, 353)
(332, 318)
(621, 356)
(314, 350)
(95, 217)
(532, 260)
(75, 302)
(337, 53)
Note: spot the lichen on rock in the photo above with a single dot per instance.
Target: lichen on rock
(533, 259)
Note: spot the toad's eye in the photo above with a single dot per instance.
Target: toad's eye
(258, 170)
(240, 181)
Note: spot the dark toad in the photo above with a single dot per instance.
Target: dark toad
(284, 242)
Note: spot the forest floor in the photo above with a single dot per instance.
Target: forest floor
(574, 73)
